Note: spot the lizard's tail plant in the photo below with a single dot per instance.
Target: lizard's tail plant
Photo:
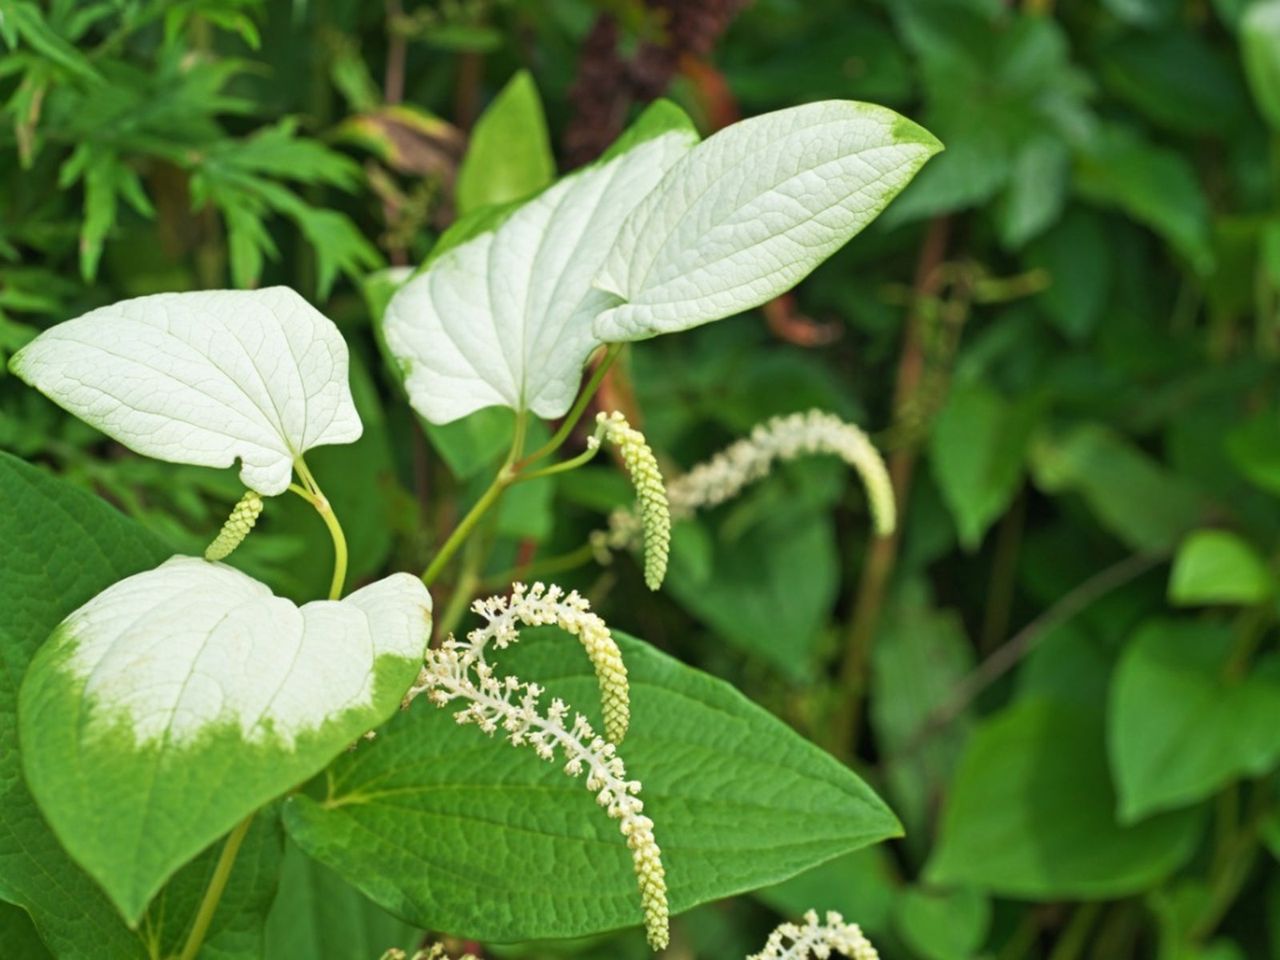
(184, 712)
(458, 672)
(752, 458)
(815, 938)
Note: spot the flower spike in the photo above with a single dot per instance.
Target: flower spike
(651, 493)
(795, 942)
(243, 517)
(458, 671)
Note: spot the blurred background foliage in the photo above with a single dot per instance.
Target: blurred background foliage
(1062, 672)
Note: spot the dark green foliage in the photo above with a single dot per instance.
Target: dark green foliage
(1062, 679)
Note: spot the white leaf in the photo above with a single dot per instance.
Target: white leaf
(203, 378)
(747, 214)
(193, 645)
(504, 319)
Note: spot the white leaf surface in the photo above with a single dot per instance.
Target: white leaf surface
(192, 645)
(203, 378)
(504, 319)
(750, 212)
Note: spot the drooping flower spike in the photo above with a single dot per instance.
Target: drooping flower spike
(458, 671)
(752, 458)
(651, 493)
(792, 941)
(238, 526)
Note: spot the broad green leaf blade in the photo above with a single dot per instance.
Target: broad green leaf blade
(863, 884)
(504, 318)
(752, 211)
(979, 444)
(509, 154)
(203, 378)
(943, 924)
(1217, 566)
(1180, 727)
(445, 827)
(18, 936)
(320, 916)
(1260, 46)
(61, 546)
(177, 701)
(1031, 814)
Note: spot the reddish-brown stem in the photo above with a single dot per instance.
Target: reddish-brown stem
(883, 555)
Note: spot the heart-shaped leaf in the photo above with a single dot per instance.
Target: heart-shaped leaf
(504, 318)
(177, 701)
(749, 213)
(203, 378)
(449, 829)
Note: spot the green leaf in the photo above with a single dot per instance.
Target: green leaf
(509, 154)
(943, 924)
(1076, 255)
(181, 699)
(27, 20)
(752, 211)
(61, 546)
(769, 591)
(861, 886)
(18, 936)
(1031, 814)
(1254, 448)
(921, 654)
(1217, 566)
(1133, 496)
(1153, 185)
(445, 827)
(978, 445)
(319, 916)
(1181, 724)
(1260, 49)
(1037, 191)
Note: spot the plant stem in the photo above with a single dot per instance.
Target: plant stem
(312, 493)
(1071, 944)
(541, 568)
(213, 892)
(505, 477)
(579, 407)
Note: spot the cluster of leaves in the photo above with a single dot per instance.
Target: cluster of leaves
(1064, 669)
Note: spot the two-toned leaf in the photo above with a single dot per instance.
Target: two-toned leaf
(178, 701)
(203, 378)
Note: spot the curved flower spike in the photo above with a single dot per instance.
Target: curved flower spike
(458, 671)
(752, 458)
(814, 939)
(434, 952)
(651, 494)
(238, 526)
(541, 605)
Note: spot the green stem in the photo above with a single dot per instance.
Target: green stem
(579, 407)
(312, 493)
(213, 892)
(506, 476)
(564, 466)
(1071, 944)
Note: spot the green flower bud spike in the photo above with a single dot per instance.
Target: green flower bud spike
(651, 492)
(242, 519)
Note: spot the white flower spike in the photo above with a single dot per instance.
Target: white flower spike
(458, 671)
(742, 463)
(816, 939)
(651, 494)
(238, 526)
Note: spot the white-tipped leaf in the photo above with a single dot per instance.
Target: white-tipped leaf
(203, 378)
(504, 318)
(179, 700)
(750, 212)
